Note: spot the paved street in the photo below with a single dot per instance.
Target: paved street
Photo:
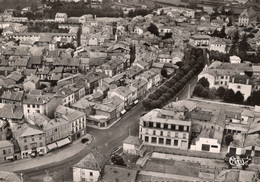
(105, 140)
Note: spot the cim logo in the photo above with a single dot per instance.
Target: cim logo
(237, 161)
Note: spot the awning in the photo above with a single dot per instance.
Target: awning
(52, 146)
(123, 112)
(63, 142)
(9, 157)
(136, 101)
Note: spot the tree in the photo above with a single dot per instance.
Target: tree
(198, 90)
(255, 98)
(220, 92)
(239, 98)
(153, 29)
(229, 95)
(164, 73)
(204, 82)
(222, 33)
(229, 23)
(228, 139)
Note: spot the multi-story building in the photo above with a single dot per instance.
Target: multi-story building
(200, 40)
(76, 119)
(44, 104)
(31, 140)
(89, 168)
(218, 45)
(241, 83)
(247, 16)
(61, 17)
(162, 128)
(6, 150)
(57, 131)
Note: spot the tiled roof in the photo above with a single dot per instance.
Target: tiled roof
(27, 130)
(10, 111)
(133, 140)
(14, 96)
(94, 161)
(37, 99)
(68, 113)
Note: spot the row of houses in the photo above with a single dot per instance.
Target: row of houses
(40, 134)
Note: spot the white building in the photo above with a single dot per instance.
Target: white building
(61, 17)
(134, 146)
(218, 45)
(208, 140)
(89, 168)
(163, 128)
(241, 83)
(235, 59)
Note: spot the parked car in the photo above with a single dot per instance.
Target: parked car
(84, 140)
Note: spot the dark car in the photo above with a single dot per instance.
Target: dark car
(84, 140)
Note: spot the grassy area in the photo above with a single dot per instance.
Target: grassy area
(13, 4)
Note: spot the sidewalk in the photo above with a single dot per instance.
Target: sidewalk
(55, 156)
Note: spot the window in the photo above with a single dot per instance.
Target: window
(154, 140)
(238, 87)
(154, 132)
(161, 133)
(146, 139)
(91, 173)
(40, 137)
(168, 134)
(161, 140)
(172, 127)
(214, 146)
(25, 140)
(181, 128)
(25, 147)
(56, 130)
(176, 135)
(184, 135)
(32, 139)
(28, 105)
(33, 106)
(168, 141)
(165, 126)
(4, 152)
(175, 143)
(205, 147)
(150, 124)
(158, 125)
(40, 144)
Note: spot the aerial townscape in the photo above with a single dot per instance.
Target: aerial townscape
(129, 90)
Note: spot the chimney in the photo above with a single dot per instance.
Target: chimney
(233, 79)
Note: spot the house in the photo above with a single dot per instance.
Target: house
(12, 97)
(115, 102)
(162, 128)
(123, 93)
(57, 131)
(31, 83)
(12, 114)
(89, 168)
(235, 59)
(31, 140)
(208, 140)
(200, 40)
(247, 17)
(134, 146)
(61, 17)
(96, 3)
(39, 103)
(117, 173)
(242, 83)
(6, 151)
(140, 86)
(76, 119)
(67, 95)
(217, 44)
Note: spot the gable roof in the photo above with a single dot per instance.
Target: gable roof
(133, 140)
(27, 130)
(94, 161)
